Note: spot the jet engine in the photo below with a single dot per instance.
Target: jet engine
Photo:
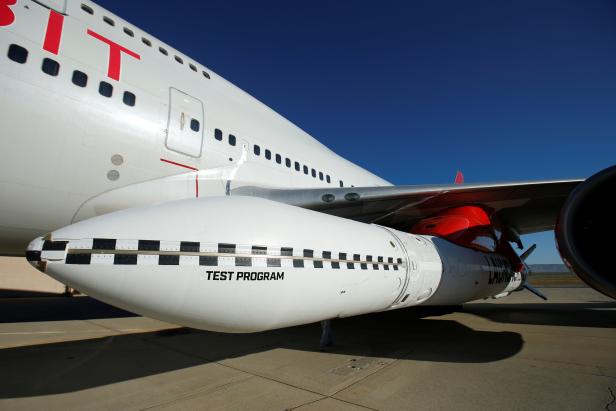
(584, 231)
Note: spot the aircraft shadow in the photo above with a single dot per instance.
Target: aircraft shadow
(4, 293)
(56, 308)
(590, 314)
(69, 366)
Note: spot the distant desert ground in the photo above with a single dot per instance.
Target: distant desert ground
(17, 275)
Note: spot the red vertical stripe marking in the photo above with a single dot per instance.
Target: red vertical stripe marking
(53, 35)
(188, 167)
(115, 55)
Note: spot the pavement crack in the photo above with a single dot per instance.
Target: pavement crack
(608, 406)
(323, 396)
(306, 403)
(330, 397)
(195, 393)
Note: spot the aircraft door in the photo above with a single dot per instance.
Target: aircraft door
(185, 125)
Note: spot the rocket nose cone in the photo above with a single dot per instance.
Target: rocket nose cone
(33, 253)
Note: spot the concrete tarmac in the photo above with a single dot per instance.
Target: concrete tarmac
(510, 354)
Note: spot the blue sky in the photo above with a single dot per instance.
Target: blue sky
(414, 90)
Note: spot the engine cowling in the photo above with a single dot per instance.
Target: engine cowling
(585, 229)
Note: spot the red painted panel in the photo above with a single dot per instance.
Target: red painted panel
(468, 226)
(471, 227)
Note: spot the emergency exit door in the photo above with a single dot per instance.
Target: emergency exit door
(185, 126)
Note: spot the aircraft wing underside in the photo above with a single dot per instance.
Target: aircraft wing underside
(527, 207)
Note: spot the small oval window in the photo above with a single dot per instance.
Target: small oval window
(129, 99)
(194, 125)
(105, 89)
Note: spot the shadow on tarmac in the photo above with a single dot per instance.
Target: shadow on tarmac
(69, 366)
(26, 294)
(591, 314)
(56, 308)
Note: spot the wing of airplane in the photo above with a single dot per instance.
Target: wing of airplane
(575, 209)
(526, 207)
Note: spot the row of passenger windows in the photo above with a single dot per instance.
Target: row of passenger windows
(129, 32)
(256, 149)
(52, 68)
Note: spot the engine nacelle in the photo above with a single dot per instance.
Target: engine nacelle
(584, 231)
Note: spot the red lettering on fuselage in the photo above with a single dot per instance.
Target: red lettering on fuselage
(7, 17)
(115, 55)
(53, 35)
(53, 38)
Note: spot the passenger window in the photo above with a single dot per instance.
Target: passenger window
(178, 59)
(320, 176)
(218, 135)
(257, 150)
(341, 183)
(105, 89)
(329, 180)
(195, 125)
(129, 100)
(50, 67)
(297, 167)
(79, 78)
(129, 32)
(87, 9)
(268, 154)
(146, 42)
(163, 51)
(192, 67)
(306, 170)
(108, 21)
(287, 162)
(278, 159)
(314, 173)
(17, 53)
(232, 139)
(205, 74)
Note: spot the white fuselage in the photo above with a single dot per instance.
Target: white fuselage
(123, 153)
(65, 144)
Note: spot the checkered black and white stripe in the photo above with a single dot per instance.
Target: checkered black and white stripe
(156, 252)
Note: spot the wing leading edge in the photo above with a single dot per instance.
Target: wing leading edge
(527, 207)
